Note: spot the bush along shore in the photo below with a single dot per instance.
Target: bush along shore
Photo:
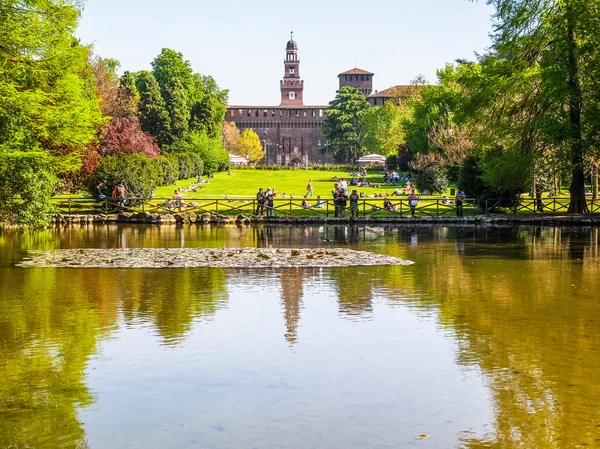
(212, 218)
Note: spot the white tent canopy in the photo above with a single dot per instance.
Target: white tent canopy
(372, 158)
(237, 160)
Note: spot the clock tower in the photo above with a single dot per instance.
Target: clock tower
(292, 86)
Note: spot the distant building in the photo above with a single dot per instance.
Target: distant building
(290, 132)
(359, 79)
(396, 93)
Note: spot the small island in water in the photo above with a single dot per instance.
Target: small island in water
(207, 257)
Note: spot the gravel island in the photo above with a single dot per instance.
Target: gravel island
(206, 257)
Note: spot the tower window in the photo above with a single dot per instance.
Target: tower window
(292, 95)
(292, 71)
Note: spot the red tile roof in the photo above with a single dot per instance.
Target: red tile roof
(356, 71)
(396, 91)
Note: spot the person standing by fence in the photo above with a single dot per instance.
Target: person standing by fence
(459, 199)
(260, 202)
(354, 204)
(413, 200)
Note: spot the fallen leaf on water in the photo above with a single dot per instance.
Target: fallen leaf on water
(423, 436)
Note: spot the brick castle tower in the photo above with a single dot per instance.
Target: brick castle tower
(292, 87)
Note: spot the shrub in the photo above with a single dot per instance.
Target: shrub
(170, 168)
(211, 151)
(186, 165)
(27, 182)
(470, 177)
(123, 135)
(135, 171)
(431, 177)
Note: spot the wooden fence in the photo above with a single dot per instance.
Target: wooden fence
(284, 207)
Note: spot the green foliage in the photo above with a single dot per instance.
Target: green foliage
(169, 166)
(177, 105)
(27, 182)
(383, 130)
(210, 150)
(431, 177)
(538, 93)
(344, 123)
(154, 117)
(470, 177)
(137, 172)
(507, 173)
(47, 94)
(435, 108)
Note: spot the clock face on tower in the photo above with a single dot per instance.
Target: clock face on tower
(292, 71)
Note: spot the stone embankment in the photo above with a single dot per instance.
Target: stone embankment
(208, 218)
(207, 257)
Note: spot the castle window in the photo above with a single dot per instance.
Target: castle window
(368, 77)
(297, 113)
(292, 95)
(232, 113)
(292, 71)
(345, 77)
(256, 113)
(241, 113)
(305, 113)
(281, 113)
(362, 77)
(265, 113)
(249, 112)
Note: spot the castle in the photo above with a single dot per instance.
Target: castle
(291, 132)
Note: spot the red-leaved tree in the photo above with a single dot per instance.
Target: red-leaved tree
(123, 135)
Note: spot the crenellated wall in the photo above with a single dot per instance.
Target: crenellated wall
(288, 134)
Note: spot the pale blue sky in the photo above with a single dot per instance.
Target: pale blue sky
(242, 42)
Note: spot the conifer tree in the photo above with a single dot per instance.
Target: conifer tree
(154, 117)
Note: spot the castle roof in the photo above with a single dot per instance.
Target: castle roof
(356, 71)
(396, 91)
(292, 45)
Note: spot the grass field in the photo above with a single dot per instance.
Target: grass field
(241, 186)
(245, 183)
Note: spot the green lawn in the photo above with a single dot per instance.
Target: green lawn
(241, 186)
(245, 183)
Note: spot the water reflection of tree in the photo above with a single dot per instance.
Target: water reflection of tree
(45, 342)
(530, 326)
(354, 290)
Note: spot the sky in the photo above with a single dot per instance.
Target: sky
(241, 43)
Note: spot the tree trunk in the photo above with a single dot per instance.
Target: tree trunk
(577, 205)
(595, 181)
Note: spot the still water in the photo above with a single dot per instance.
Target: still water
(489, 340)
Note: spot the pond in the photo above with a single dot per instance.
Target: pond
(488, 340)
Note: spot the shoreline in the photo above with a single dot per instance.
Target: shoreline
(208, 219)
(145, 218)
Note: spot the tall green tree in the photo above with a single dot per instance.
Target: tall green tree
(344, 124)
(47, 94)
(154, 117)
(179, 111)
(383, 130)
(550, 49)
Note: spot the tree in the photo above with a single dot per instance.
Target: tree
(123, 135)
(249, 146)
(170, 65)
(231, 137)
(128, 96)
(548, 49)
(344, 122)
(383, 129)
(47, 94)
(154, 117)
(179, 111)
(107, 85)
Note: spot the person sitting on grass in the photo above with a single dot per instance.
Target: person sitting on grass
(320, 204)
(305, 204)
(119, 194)
(387, 205)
